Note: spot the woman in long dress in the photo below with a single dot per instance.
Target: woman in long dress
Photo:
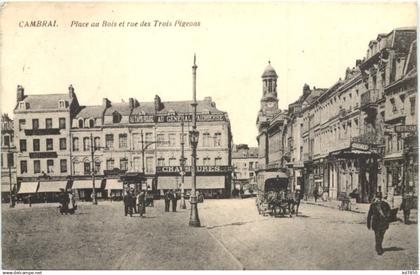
(72, 203)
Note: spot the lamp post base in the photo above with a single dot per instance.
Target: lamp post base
(194, 219)
(183, 205)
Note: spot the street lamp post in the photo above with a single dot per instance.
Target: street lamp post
(92, 152)
(9, 166)
(194, 134)
(182, 162)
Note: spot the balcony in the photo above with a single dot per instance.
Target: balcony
(40, 155)
(42, 132)
(369, 99)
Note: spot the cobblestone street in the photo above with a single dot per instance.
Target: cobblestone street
(232, 236)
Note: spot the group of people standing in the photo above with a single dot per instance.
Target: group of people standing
(134, 202)
(171, 196)
(67, 202)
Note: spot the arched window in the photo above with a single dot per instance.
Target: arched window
(80, 123)
(91, 123)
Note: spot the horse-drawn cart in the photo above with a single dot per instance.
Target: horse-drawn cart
(274, 195)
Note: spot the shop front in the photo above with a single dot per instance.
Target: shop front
(83, 188)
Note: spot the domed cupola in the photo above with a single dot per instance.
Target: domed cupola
(269, 78)
(269, 72)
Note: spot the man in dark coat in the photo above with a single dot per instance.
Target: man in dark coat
(167, 199)
(142, 203)
(174, 200)
(128, 203)
(378, 219)
(406, 207)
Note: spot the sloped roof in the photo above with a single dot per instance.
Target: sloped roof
(45, 101)
(121, 107)
(269, 71)
(94, 111)
(177, 106)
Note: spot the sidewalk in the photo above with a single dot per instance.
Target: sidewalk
(361, 208)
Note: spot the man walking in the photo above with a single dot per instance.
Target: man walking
(167, 199)
(174, 200)
(378, 219)
(406, 207)
(128, 203)
(141, 200)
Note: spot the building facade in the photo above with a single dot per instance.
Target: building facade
(244, 163)
(345, 139)
(8, 158)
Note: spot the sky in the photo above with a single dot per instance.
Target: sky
(306, 42)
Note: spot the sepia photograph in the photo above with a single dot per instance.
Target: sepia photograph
(209, 136)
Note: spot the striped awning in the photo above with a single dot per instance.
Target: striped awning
(28, 187)
(51, 186)
(113, 184)
(202, 182)
(86, 184)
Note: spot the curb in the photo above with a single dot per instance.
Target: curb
(332, 207)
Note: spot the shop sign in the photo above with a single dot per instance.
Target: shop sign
(138, 118)
(200, 169)
(406, 129)
(359, 146)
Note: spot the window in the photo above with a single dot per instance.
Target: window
(76, 144)
(172, 140)
(48, 123)
(85, 144)
(412, 105)
(80, 123)
(35, 123)
(22, 105)
(87, 168)
(97, 166)
(97, 143)
(23, 167)
(123, 164)
(91, 123)
(206, 140)
(22, 123)
(37, 166)
(136, 141)
(217, 139)
(149, 164)
(172, 161)
(206, 161)
(160, 139)
(63, 144)
(161, 162)
(218, 161)
(36, 145)
(149, 137)
(123, 140)
(110, 164)
(10, 160)
(116, 117)
(63, 165)
(62, 123)
(50, 166)
(394, 106)
(6, 140)
(251, 165)
(22, 145)
(49, 143)
(136, 164)
(109, 140)
(61, 104)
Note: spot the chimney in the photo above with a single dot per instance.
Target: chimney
(131, 103)
(358, 62)
(20, 93)
(71, 91)
(158, 103)
(106, 103)
(306, 89)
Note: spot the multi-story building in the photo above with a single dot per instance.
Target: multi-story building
(333, 139)
(244, 163)
(63, 144)
(8, 158)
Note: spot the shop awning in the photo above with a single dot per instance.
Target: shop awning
(202, 182)
(51, 186)
(86, 184)
(28, 187)
(113, 184)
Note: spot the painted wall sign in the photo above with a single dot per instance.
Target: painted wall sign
(138, 118)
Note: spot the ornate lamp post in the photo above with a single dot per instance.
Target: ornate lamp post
(194, 134)
(182, 162)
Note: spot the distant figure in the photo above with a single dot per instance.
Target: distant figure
(406, 207)
(141, 203)
(72, 203)
(174, 200)
(30, 200)
(355, 194)
(378, 219)
(167, 199)
(315, 193)
(64, 202)
(128, 204)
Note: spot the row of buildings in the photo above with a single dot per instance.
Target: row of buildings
(56, 142)
(359, 135)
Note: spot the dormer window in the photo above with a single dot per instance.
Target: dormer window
(116, 117)
(80, 123)
(61, 104)
(22, 105)
(91, 123)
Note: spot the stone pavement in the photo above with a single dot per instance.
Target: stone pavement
(362, 208)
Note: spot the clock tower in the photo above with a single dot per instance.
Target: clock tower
(269, 100)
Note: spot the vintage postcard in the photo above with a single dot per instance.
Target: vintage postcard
(209, 136)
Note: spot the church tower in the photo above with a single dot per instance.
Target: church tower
(269, 100)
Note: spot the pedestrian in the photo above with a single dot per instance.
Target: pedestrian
(72, 203)
(378, 219)
(167, 199)
(128, 203)
(315, 194)
(141, 202)
(64, 201)
(406, 207)
(174, 200)
(30, 200)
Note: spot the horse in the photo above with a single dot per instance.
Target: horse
(294, 202)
